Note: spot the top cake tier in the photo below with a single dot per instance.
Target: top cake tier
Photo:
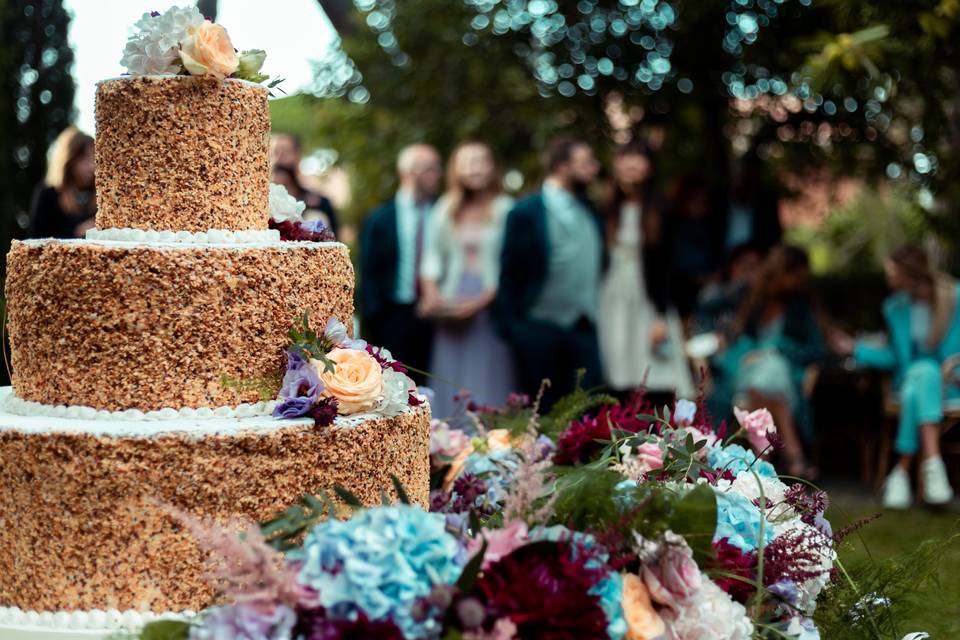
(182, 153)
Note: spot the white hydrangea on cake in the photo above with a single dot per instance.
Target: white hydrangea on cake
(154, 46)
(283, 206)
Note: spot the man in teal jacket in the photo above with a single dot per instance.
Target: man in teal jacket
(550, 273)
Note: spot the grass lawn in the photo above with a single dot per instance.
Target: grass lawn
(895, 533)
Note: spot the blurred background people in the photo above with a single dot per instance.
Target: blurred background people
(391, 251)
(550, 273)
(64, 206)
(641, 338)
(285, 155)
(459, 276)
(694, 235)
(753, 214)
(924, 344)
(773, 341)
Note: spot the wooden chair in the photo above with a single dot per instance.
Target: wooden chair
(891, 412)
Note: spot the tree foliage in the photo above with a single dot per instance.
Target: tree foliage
(38, 88)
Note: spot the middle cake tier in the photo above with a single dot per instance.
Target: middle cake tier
(116, 326)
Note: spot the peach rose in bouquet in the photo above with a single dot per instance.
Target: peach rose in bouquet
(207, 50)
(356, 381)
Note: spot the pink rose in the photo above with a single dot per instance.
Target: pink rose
(649, 455)
(674, 576)
(757, 424)
(446, 442)
(500, 542)
(207, 50)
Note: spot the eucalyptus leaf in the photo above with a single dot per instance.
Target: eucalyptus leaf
(347, 496)
(468, 577)
(166, 630)
(400, 491)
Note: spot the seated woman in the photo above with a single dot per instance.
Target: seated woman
(924, 328)
(775, 338)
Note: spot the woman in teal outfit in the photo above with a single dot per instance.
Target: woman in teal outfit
(775, 338)
(924, 329)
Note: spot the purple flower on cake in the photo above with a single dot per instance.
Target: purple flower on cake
(246, 622)
(293, 408)
(335, 332)
(301, 380)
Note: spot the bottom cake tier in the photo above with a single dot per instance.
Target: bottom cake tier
(84, 518)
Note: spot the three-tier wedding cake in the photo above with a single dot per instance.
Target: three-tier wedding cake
(140, 355)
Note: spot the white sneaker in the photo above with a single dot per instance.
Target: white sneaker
(896, 490)
(936, 485)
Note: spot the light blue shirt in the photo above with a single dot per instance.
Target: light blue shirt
(574, 263)
(921, 320)
(410, 217)
(739, 226)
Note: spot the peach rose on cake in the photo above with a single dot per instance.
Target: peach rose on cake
(207, 50)
(356, 381)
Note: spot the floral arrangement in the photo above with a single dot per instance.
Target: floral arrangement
(331, 374)
(180, 41)
(661, 528)
(286, 216)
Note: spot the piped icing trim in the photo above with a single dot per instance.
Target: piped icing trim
(18, 406)
(117, 424)
(213, 236)
(111, 620)
(174, 244)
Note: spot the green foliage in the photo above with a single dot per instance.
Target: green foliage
(873, 598)
(695, 518)
(285, 531)
(38, 89)
(854, 239)
(166, 630)
(265, 386)
(305, 341)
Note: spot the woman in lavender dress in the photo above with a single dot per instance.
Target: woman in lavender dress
(459, 270)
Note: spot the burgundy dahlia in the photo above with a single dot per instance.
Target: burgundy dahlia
(544, 592)
(300, 232)
(731, 560)
(314, 625)
(579, 443)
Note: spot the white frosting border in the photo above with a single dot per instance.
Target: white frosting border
(14, 620)
(213, 236)
(175, 244)
(12, 403)
(119, 425)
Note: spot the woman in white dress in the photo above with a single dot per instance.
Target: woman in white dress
(459, 272)
(641, 338)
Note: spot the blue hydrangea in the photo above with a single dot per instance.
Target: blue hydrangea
(738, 520)
(381, 562)
(609, 590)
(739, 460)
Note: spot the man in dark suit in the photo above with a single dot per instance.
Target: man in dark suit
(390, 248)
(550, 274)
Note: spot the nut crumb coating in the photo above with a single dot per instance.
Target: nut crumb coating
(150, 327)
(182, 153)
(86, 526)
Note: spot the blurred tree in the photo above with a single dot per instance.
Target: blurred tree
(516, 71)
(35, 69)
(208, 8)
